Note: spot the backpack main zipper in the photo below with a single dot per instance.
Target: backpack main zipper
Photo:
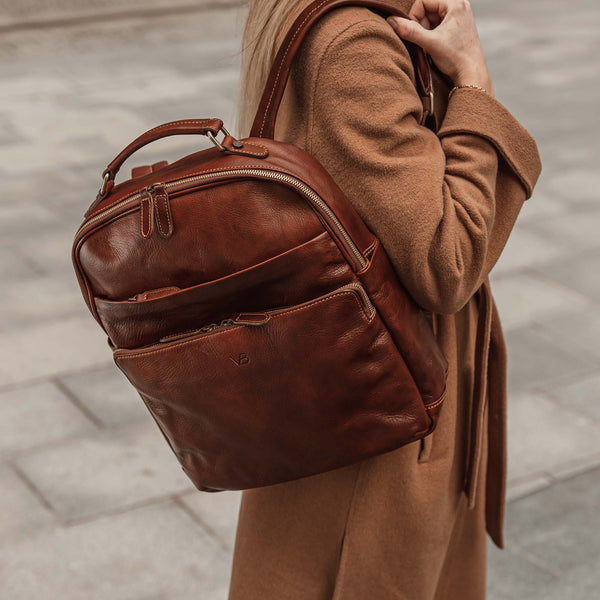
(304, 189)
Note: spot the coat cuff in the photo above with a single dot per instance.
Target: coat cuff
(474, 111)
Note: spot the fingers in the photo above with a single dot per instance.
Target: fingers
(425, 22)
(412, 31)
(435, 10)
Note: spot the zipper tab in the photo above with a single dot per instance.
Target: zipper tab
(251, 319)
(146, 212)
(156, 210)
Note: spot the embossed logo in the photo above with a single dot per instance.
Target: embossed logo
(241, 360)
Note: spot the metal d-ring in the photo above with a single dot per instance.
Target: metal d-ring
(428, 88)
(213, 139)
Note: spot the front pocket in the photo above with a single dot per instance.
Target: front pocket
(287, 278)
(280, 394)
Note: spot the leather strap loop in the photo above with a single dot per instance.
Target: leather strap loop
(264, 121)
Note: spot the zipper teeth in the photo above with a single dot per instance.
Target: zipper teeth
(307, 191)
(364, 296)
(229, 322)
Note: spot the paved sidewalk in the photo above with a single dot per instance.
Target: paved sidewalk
(93, 504)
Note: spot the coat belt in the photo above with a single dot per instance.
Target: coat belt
(482, 345)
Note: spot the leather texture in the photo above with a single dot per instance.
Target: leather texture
(257, 316)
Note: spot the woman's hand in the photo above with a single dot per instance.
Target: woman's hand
(446, 30)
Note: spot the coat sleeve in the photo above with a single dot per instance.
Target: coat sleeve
(442, 204)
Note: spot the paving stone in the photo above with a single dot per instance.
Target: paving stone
(143, 90)
(23, 218)
(523, 299)
(152, 552)
(544, 435)
(525, 248)
(582, 395)
(38, 299)
(45, 188)
(554, 525)
(108, 395)
(577, 230)
(23, 85)
(51, 250)
(24, 157)
(71, 123)
(578, 331)
(22, 513)
(577, 466)
(60, 347)
(36, 415)
(580, 274)
(517, 487)
(576, 184)
(551, 547)
(512, 576)
(217, 511)
(108, 470)
(581, 581)
(536, 360)
(14, 266)
(48, 11)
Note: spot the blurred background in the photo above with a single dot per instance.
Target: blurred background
(92, 502)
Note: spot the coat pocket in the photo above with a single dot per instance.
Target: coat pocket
(268, 396)
(425, 445)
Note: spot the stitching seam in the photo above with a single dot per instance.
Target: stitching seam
(283, 61)
(184, 122)
(437, 403)
(145, 213)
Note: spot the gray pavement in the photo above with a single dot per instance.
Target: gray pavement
(93, 504)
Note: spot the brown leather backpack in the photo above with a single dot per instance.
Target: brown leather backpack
(255, 313)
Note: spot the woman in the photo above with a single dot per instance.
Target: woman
(410, 524)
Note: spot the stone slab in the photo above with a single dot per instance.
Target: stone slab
(218, 512)
(554, 525)
(110, 470)
(107, 394)
(153, 552)
(526, 248)
(22, 513)
(580, 273)
(577, 331)
(36, 415)
(35, 11)
(37, 300)
(524, 298)
(544, 436)
(552, 550)
(581, 395)
(536, 360)
(55, 348)
(577, 230)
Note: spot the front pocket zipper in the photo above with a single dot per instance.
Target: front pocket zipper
(257, 319)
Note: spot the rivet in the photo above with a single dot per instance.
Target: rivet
(237, 144)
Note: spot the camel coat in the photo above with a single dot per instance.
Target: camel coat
(409, 524)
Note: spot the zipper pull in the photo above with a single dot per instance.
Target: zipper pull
(156, 209)
(146, 212)
(251, 319)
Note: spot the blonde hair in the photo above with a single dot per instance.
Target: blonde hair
(263, 33)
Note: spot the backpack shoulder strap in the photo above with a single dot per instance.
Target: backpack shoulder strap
(264, 121)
